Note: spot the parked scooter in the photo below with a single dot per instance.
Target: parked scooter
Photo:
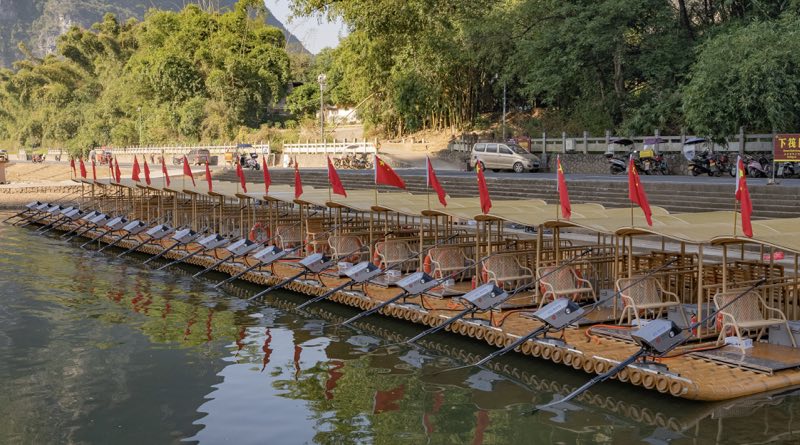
(618, 164)
(758, 168)
(787, 169)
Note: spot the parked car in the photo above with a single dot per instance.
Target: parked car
(499, 156)
(196, 156)
(3, 156)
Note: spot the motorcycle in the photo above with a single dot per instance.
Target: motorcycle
(618, 164)
(700, 164)
(652, 162)
(718, 164)
(250, 161)
(758, 168)
(787, 169)
(37, 159)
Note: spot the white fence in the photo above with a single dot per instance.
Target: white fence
(314, 148)
(585, 144)
(184, 149)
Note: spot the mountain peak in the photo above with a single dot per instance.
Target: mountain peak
(38, 23)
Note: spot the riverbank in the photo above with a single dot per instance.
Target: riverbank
(14, 196)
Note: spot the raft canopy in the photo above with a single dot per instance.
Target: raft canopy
(695, 228)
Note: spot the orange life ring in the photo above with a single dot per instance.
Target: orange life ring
(426, 264)
(376, 257)
(258, 233)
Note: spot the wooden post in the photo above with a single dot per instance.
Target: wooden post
(724, 267)
(700, 288)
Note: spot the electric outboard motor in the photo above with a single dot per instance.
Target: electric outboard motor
(417, 283)
(134, 227)
(54, 208)
(160, 231)
(185, 236)
(486, 296)
(659, 336)
(560, 313)
(270, 254)
(90, 216)
(212, 241)
(100, 220)
(316, 263)
(117, 223)
(242, 247)
(363, 272)
(74, 214)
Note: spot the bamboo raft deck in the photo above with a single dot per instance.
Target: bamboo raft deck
(694, 375)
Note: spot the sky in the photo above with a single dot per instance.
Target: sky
(315, 33)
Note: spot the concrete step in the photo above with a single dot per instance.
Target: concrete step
(677, 197)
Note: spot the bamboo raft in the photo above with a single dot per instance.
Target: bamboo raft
(697, 252)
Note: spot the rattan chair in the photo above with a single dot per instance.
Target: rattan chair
(316, 236)
(345, 248)
(392, 252)
(646, 295)
(447, 260)
(747, 314)
(505, 269)
(287, 236)
(563, 282)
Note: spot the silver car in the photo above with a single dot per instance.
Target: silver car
(498, 156)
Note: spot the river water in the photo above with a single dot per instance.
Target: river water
(95, 349)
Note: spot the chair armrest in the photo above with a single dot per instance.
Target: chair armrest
(581, 280)
(671, 294)
(782, 316)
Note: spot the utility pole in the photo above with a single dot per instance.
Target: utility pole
(139, 109)
(504, 110)
(323, 80)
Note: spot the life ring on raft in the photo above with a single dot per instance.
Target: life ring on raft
(258, 233)
(427, 267)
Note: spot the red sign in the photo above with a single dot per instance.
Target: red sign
(786, 148)
(777, 256)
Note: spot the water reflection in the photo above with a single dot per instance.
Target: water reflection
(99, 350)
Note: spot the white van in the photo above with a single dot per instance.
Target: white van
(498, 156)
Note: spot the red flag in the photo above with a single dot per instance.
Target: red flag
(333, 178)
(135, 172)
(743, 196)
(83, 169)
(187, 170)
(267, 177)
(208, 178)
(164, 170)
(146, 172)
(433, 182)
(483, 190)
(636, 192)
(72, 164)
(240, 174)
(117, 173)
(298, 183)
(386, 176)
(388, 400)
(482, 422)
(94, 170)
(333, 376)
(563, 193)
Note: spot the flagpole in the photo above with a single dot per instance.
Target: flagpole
(735, 219)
